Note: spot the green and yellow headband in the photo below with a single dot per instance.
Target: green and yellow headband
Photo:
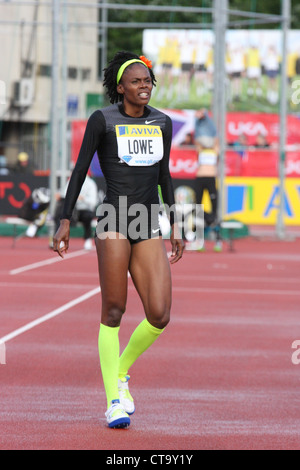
(142, 60)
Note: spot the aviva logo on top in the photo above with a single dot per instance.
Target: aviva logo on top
(257, 200)
(138, 131)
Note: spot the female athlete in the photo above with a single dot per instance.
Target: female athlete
(133, 142)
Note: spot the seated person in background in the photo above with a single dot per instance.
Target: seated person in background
(207, 145)
(85, 210)
(23, 164)
(3, 166)
(240, 145)
(188, 141)
(35, 210)
(261, 141)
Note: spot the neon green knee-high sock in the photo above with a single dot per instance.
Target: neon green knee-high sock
(142, 338)
(109, 351)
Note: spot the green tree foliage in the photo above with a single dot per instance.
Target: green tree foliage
(131, 38)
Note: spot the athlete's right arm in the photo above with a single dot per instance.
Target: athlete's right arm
(167, 190)
(61, 238)
(94, 132)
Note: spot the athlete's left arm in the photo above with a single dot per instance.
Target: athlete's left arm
(167, 190)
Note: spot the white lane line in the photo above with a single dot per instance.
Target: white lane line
(50, 315)
(220, 278)
(42, 285)
(46, 262)
(210, 290)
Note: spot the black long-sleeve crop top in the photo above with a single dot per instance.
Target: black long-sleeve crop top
(133, 154)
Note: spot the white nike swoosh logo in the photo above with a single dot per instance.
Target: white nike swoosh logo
(156, 231)
(150, 122)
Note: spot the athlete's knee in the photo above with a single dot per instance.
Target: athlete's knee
(112, 315)
(164, 321)
(160, 318)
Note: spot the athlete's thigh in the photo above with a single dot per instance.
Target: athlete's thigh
(113, 265)
(151, 274)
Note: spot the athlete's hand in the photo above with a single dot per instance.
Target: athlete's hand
(177, 245)
(61, 238)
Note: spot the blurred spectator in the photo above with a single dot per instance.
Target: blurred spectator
(292, 66)
(237, 71)
(35, 210)
(205, 130)
(188, 141)
(207, 144)
(3, 166)
(253, 61)
(240, 145)
(261, 141)
(85, 209)
(272, 69)
(23, 163)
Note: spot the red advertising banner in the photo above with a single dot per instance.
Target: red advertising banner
(252, 140)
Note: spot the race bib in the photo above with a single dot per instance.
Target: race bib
(208, 157)
(140, 145)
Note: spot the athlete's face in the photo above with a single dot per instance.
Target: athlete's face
(136, 85)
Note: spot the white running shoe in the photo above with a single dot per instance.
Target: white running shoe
(88, 244)
(31, 231)
(116, 416)
(125, 398)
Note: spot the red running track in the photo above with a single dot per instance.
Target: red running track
(220, 377)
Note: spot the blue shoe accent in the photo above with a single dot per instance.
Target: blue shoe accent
(121, 423)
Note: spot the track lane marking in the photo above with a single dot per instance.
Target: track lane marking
(216, 290)
(196, 290)
(49, 316)
(210, 290)
(46, 262)
(46, 285)
(237, 278)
